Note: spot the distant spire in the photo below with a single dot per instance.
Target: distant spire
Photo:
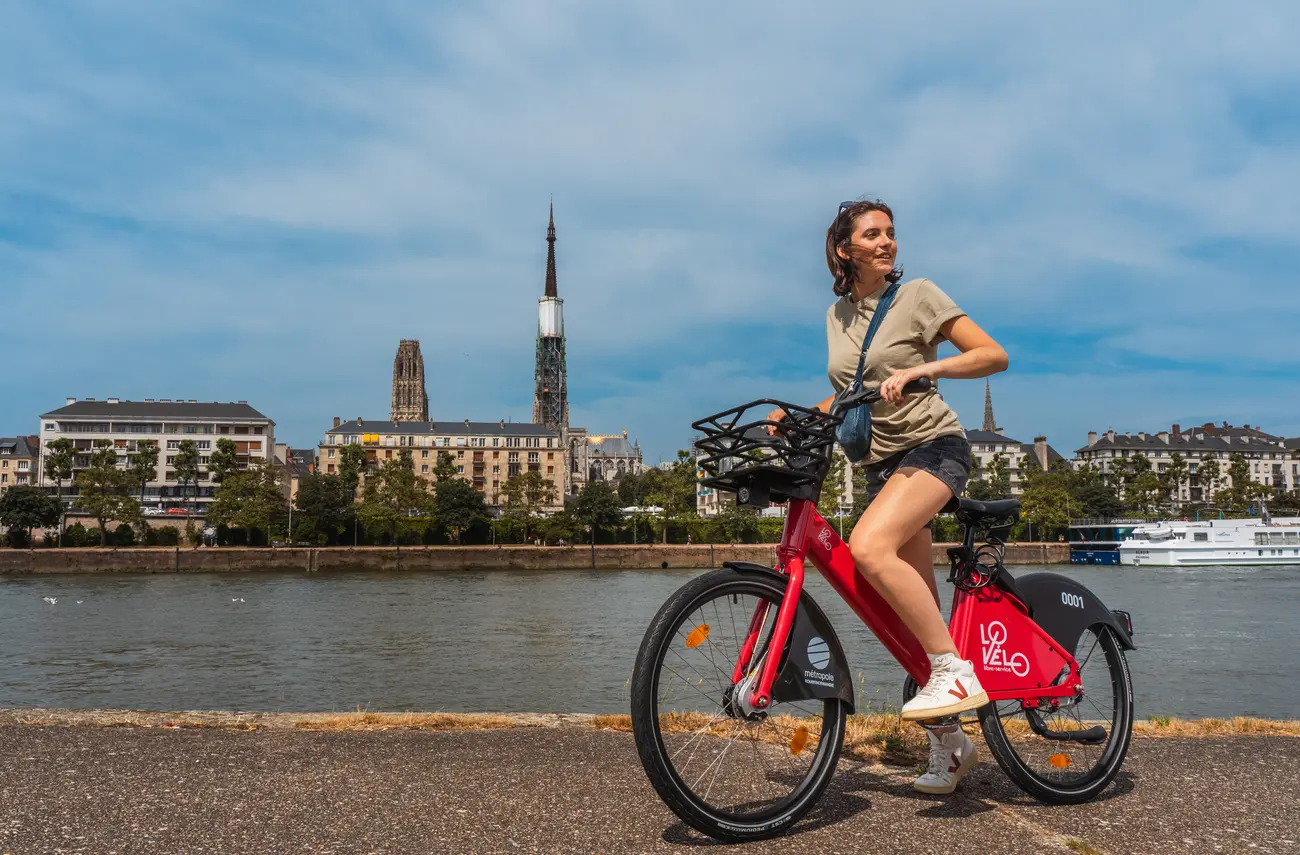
(989, 424)
(550, 256)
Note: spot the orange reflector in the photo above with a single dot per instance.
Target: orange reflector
(1060, 761)
(799, 741)
(697, 636)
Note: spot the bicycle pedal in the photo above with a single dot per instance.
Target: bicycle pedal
(945, 721)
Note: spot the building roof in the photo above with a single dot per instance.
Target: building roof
(1292, 443)
(21, 446)
(614, 446)
(1052, 454)
(465, 428)
(163, 409)
(989, 436)
(1188, 440)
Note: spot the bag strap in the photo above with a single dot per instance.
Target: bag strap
(886, 300)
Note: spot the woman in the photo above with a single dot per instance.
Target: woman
(919, 456)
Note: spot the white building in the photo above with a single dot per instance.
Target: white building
(988, 446)
(165, 422)
(1273, 461)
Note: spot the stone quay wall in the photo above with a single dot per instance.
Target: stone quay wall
(158, 559)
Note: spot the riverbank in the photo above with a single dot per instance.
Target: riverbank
(569, 789)
(229, 559)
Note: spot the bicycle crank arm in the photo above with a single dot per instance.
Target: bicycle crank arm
(1090, 735)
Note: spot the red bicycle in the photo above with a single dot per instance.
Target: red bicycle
(741, 692)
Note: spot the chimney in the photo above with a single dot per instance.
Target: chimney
(336, 421)
(90, 399)
(148, 400)
(1225, 425)
(1092, 437)
(1110, 434)
(1175, 430)
(503, 424)
(71, 401)
(1040, 451)
(1164, 437)
(358, 419)
(112, 401)
(1142, 435)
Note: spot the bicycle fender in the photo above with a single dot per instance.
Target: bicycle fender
(1064, 609)
(815, 666)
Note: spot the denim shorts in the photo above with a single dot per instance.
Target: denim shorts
(946, 458)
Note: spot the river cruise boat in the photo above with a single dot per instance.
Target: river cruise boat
(1096, 541)
(1175, 543)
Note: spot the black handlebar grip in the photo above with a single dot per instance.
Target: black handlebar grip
(920, 384)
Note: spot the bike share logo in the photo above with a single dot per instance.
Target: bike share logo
(824, 538)
(993, 637)
(819, 657)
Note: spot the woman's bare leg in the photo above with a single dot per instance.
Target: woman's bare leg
(898, 514)
(919, 553)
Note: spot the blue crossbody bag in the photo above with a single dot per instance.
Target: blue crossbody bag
(854, 432)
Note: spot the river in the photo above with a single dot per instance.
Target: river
(1211, 641)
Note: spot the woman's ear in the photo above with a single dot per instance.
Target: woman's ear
(839, 251)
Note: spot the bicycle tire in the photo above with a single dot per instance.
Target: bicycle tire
(651, 747)
(1101, 773)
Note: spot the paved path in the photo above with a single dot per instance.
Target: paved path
(570, 789)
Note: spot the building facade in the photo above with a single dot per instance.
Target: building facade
(410, 396)
(167, 423)
(987, 447)
(1273, 460)
(20, 459)
(485, 453)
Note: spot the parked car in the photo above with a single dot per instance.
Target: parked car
(177, 511)
(151, 511)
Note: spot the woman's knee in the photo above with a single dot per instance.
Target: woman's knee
(873, 553)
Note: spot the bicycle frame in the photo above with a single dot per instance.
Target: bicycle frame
(1017, 659)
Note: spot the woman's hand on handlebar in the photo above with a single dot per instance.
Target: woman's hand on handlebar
(891, 391)
(775, 416)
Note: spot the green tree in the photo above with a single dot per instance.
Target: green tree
(999, 477)
(143, 465)
(58, 468)
(24, 508)
(186, 465)
(325, 507)
(1091, 496)
(1143, 492)
(526, 494)
(107, 492)
(393, 495)
(458, 507)
(352, 462)
(1174, 476)
(224, 461)
(738, 523)
(445, 468)
(833, 485)
(251, 499)
(597, 506)
(1209, 472)
(1045, 502)
(673, 488)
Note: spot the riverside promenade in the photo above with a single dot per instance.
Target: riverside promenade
(234, 559)
(569, 787)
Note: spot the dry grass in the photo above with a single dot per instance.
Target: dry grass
(1236, 726)
(372, 721)
(1083, 847)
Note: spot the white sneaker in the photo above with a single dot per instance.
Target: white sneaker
(952, 755)
(952, 688)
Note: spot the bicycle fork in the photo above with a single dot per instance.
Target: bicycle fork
(741, 678)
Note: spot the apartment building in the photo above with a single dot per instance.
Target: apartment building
(166, 422)
(1274, 461)
(987, 445)
(19, 461)
(485, 453)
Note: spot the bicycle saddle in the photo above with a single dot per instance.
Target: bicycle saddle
(974, 511)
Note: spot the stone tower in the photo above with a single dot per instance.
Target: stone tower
(410, 401)
(989, 423)
(550, 383)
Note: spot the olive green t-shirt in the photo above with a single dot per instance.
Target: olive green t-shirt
(908, 336)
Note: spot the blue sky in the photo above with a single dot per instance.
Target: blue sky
(237, 200)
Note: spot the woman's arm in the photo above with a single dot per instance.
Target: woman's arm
(980, 356)
(778, 414)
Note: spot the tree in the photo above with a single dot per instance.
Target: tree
(143, 465)
(1143, 491)
(833, 486)
(58, 468)
(1045, 502)
(1118, 477)
(251, 499)
(999, 477)
(673, 489)
(352, 461)
(1091, 496)
(224, 461)
(1209, 472)
(737, 522)
(597, 506)
(526, 494)
(186, 465)
(24, 508)
(1174, 476)
(394, 494)
(458, 507)
(445, 468)
(325, 507)
(107, 491)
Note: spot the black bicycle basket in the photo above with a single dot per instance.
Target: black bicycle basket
(739, 454)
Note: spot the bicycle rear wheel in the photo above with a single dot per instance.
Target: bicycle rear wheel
(1068, 771)
(732, 773)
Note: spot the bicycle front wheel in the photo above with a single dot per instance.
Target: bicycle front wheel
(732, 773)
(1041, 749)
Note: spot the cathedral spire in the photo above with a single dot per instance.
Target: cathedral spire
(550, 256)
(989, 424)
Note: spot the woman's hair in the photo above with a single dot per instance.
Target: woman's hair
(843, 269)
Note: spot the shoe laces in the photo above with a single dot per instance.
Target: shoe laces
(940, 758)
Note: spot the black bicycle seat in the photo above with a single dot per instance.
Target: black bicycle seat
(975, 511)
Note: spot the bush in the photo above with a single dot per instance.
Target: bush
(78, 535)
(18, 538)
(123, 535)
(162, 536)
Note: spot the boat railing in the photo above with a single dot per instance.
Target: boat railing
(1103, 521)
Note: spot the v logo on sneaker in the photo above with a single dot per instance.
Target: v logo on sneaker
(960, 692)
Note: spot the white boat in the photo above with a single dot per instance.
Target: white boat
(1176, 543)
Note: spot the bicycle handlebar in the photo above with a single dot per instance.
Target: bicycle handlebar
(872, 395)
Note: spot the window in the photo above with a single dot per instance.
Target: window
(460, 469)
(424, 469)
(223, 428)
(330, 453)
(203, 444)
(23, 465)
(241, 429)
(4, 479)
(550, 442)
(460, 440)
(1201, 535)
(49, 426)
(496, 441)
(446, 441)
(533, 457)
(496, 470)
(550, 470)
(512, 457)
(330, 468)
(424, 455)
(173, 444)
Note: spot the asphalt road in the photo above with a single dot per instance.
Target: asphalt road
(575, 790)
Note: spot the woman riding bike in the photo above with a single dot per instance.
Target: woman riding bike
(919, 458)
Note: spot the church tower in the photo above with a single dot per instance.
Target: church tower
(410, 400)
(550, 383)
(990, 424)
